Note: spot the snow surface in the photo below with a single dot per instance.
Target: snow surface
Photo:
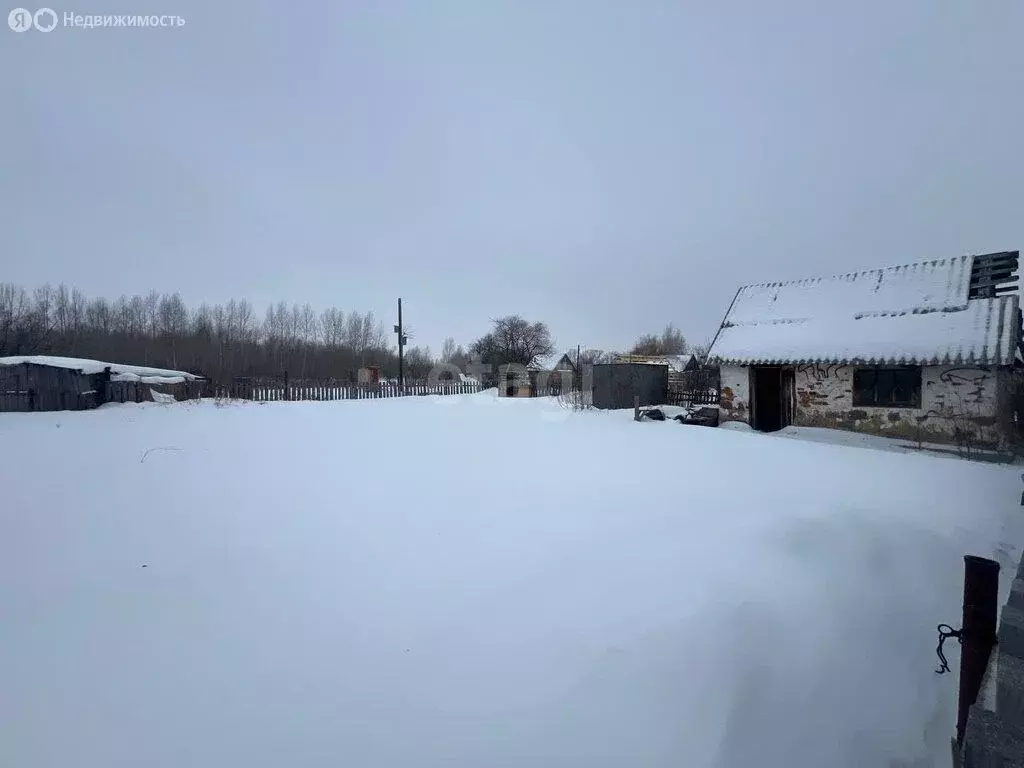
(162, 397)
(982, 333)
(915, 313)
(148, 379)
(935, 286)
(120, 372)
(474, 581)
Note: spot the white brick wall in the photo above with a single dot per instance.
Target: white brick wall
(952, 397)
(735, 387)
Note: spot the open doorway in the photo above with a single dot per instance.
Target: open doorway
(773, 393)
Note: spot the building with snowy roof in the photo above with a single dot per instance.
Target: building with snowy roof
(49, 383)
(927, 351)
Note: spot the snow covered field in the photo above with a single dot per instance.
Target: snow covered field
(474, 582)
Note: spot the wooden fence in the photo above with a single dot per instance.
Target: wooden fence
(275, 391)
(140, 392)
(262, 390)
(691, 397)
(701, 387)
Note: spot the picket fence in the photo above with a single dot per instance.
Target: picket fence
(275, 391)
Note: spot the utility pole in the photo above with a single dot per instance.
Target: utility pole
(401, 344)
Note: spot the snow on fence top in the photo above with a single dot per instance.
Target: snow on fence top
(917, 313)
(118, 371)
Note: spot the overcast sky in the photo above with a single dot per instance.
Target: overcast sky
(606, 167)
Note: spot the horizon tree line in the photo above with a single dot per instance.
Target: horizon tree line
(218, 341)
(225, 341)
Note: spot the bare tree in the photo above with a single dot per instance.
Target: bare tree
(332, 327)
(448, 349)
(218, 341)
(671, 342)
(513, 340)
(595, 357)
(454, 354)
(700, 351)
(20, 329)
(418, 362)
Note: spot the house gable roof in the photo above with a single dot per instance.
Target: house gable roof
(916, 313)
(567, 360)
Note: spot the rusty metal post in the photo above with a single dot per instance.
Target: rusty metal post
(977, 633)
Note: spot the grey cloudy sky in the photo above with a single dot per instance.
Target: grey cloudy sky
(606, 167)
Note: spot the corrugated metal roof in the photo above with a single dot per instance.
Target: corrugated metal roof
(918, 313)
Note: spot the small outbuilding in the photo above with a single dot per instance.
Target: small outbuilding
(928, 351)
(617, 385)
(517, 380)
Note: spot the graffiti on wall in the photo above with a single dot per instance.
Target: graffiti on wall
(966, 385)
(816, 385)
(818, 371)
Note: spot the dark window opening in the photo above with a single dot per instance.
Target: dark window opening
(887, 387)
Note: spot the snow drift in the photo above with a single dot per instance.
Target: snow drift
(473, 581)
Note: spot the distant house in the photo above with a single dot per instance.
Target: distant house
(531, 380)
(46, 383)
(368, 375)
(926, 351)
(565, 364)
(517, 380)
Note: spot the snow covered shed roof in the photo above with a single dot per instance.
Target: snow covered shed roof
(119, 372)
(675, 363)
(920, 313)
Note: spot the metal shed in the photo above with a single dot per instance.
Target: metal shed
(617, 384)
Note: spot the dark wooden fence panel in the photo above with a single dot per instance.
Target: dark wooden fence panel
(686, 398)
(700, 387)
(257, 390)
(15, 400)
(141, 392)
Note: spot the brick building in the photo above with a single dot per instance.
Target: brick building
(927, 351)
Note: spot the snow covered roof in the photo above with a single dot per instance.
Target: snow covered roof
(675, 363)
(916, 313)
(119, 372)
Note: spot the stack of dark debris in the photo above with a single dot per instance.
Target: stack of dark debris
(702, 417)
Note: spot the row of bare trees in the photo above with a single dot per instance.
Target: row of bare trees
(224, 341)
(217, 341)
